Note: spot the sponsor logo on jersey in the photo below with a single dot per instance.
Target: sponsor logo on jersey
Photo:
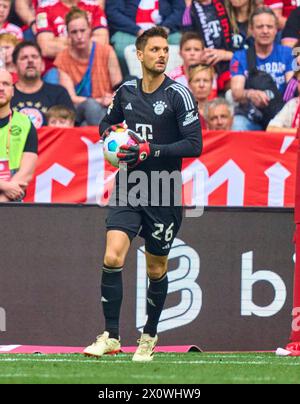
(189, 118)
(129, 106)
(41, 20)
(159, 107)
(145, 130)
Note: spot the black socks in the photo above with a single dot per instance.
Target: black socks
(112, 294)
(156, 296)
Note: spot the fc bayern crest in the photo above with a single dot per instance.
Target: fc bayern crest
(34, 115)
(159, 107)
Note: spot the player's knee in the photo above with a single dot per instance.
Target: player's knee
(156, 272)
(113, 260)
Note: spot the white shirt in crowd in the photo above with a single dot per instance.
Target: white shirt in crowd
(285, 117)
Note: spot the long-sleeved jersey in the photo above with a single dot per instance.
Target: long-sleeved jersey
(167, 118)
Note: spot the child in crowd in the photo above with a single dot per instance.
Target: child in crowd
(8, 42)
(59, 116)
(5, 26)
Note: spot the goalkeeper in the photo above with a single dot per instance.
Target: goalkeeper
(164, 116)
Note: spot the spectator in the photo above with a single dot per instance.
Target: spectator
(288, 119)
(209, 18)
(52, 32)
(291, 90)
(239, 12)
(257, 103)
(18, 155)
(291, 32)
(8, 42)
(191, 50)
(201, 80)
(32, 96)
(60, 116)
(218, 114)
(26, 12)
(128, 19)
(282, 9)
(5, 26)
(186, 18)
(101, 78)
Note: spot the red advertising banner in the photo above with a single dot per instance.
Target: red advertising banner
(237, 169)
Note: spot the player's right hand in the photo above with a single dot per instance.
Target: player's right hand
(132, 155)
(113, 128)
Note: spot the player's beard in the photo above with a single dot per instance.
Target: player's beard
(155, 71)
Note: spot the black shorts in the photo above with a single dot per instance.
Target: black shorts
(157, 225)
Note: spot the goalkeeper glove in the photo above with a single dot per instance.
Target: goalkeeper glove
(132, 155)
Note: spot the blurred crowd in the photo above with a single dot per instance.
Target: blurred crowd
(240, 58)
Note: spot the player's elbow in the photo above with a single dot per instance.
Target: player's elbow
(199, 150)
(196, 149)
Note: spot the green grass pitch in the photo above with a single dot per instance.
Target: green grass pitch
(198, 368)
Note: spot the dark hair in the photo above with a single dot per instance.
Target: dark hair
(23, 45)
(74, 14)
(263, 10)
(142, 40)
(188, 36)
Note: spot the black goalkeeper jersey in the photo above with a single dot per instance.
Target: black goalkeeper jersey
(167, 118)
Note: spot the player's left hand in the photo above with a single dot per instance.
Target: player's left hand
(134, 154)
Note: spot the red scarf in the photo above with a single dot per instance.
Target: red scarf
(224, 20)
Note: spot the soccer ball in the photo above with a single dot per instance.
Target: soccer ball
(112, 144)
